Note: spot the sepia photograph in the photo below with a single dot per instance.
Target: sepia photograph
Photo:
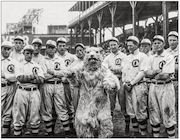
(89, 69)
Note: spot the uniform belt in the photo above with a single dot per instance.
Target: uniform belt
(174, 79)
(4, 85)
(28, 89)
(53, 82)
(139, 82)
(160, 82)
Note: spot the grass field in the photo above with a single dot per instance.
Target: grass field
(119, 126)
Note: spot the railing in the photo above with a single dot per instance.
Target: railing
(84, 13)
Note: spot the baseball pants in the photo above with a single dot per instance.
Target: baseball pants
(26, 103)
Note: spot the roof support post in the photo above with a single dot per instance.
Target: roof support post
(112, 9)
(82, 26)
(124, 32)
(95, 37)
(89, 23)
(99, 17)
(103, 34)
(71, 38)
(75, 30)
(165, 10)
(133, 6)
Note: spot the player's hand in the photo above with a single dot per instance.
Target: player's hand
(2, 75)
(50, 71)
(12, 79)
(128, 86)
(112, 70)
(155, 72)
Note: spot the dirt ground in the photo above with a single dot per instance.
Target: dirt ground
(119, 126)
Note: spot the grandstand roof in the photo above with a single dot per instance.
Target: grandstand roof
(123, 14)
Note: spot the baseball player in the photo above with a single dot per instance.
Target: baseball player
(80, 52)
(37, 57)
(68, 60)
(54, 91)
(145, 47)
(17, 53)
(8, 86)
(173, 49)
(113, 62)
(135, 88)
(27, 98)
(161, 92)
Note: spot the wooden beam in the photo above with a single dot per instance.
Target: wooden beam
(165, 10)
(99, 17)
(133, 6)
(89, 23)
(112, 9)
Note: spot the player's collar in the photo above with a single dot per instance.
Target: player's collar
(136, 51)
(162, 54)
(2, 58)
(26, 62)
(66, 52)
(55, 57)
(174, 50)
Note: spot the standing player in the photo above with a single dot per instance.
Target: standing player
(27, 98)
(80, 52)
(113, 62)
(173, 49)
(146, 47)
(17, 53)
(161, 92)
(53, 91)
(68, 60)
(8, 86)
(37, 57)
(136, 89)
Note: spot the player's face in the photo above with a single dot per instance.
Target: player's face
(5, 51)
(131, 46)
(61, 47)
(145, 48)
(50, 50)
(158, 45)
(113, 46)
(173, 42)
(80, 52)
(28, 55)
(37, 47)
(18, 45)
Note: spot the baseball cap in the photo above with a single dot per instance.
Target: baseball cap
(28, 47)
(133, 38)
(37, 40)
(79, 44)
(173, 33)
(158, 37)
(6, 44)
(19, 38)
(114, 39)
(146, 41)
(51, 43)
(61, 39)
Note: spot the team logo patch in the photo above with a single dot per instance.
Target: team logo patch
(35, 70)
(67, 62)
(161, 64)
(118, 61)
(10, 68)
(135, 63)
(56, 66)
(176, 59)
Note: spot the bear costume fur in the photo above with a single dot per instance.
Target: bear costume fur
(95, 83)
